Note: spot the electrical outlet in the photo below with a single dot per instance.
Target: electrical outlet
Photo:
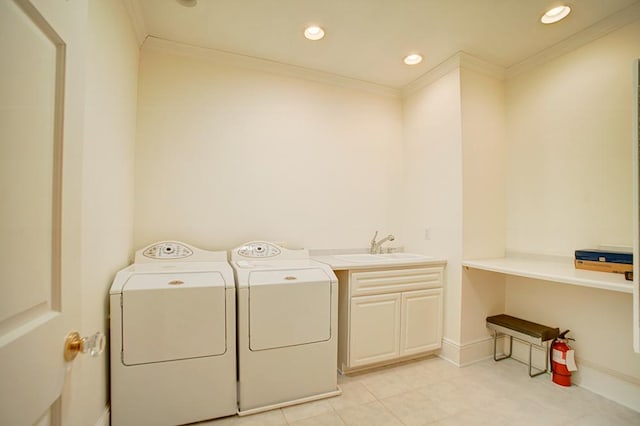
(427, 233)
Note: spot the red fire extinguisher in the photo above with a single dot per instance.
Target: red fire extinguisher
(563, 360)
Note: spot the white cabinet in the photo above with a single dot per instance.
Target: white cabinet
(421, 323)
(375, 329)
(388, 314)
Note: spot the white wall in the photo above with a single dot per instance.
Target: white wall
(454, 186)
(483, 206)
(226, 154)
(432, 184)
(569, 132)
(107, 208)
(484, 159)
(569, 179)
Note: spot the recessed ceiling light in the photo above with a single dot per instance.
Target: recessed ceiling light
(555, 14)
(188, 3)
(412, 59)
(313, 32)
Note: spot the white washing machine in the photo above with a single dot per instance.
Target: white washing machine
(287, 327)
(173, 337)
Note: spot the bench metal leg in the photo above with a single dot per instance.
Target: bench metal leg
(508, 355)
(546, 362)
(495, 346)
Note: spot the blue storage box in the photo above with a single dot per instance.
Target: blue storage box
(605, 256)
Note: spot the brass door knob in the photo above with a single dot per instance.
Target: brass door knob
(74, 344)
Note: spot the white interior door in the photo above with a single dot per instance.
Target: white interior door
(41, 106)
(636, 217)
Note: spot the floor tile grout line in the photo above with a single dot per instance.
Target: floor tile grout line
(392, 413)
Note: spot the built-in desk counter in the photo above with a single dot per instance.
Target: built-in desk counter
(554, 269)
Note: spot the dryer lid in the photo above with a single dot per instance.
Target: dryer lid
(177, 280)
(287, 276)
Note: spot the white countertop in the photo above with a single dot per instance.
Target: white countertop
(555, 269)
(362, 261)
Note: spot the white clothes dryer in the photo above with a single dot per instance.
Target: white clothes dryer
(173, 337)
(287, 327)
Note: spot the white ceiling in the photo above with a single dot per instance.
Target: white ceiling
(367, 39)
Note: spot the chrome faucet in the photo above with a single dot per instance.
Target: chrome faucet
(376, 246)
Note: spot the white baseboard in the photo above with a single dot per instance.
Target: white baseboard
(450, 351)
(617, 387)
(467, 353)
(105, 418)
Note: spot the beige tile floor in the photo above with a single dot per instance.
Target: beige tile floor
(434, 392)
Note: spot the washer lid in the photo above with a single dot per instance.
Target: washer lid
(168, 317)
(288, 307)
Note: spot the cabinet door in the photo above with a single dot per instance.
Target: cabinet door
(421, 321)
(375, 329)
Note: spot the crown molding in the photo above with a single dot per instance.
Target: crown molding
(481, 66)
(134, 10)
(579, 39)
(432, 75)
(257, 64)
(459, 60)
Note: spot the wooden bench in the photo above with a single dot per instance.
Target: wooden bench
(525, 331)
